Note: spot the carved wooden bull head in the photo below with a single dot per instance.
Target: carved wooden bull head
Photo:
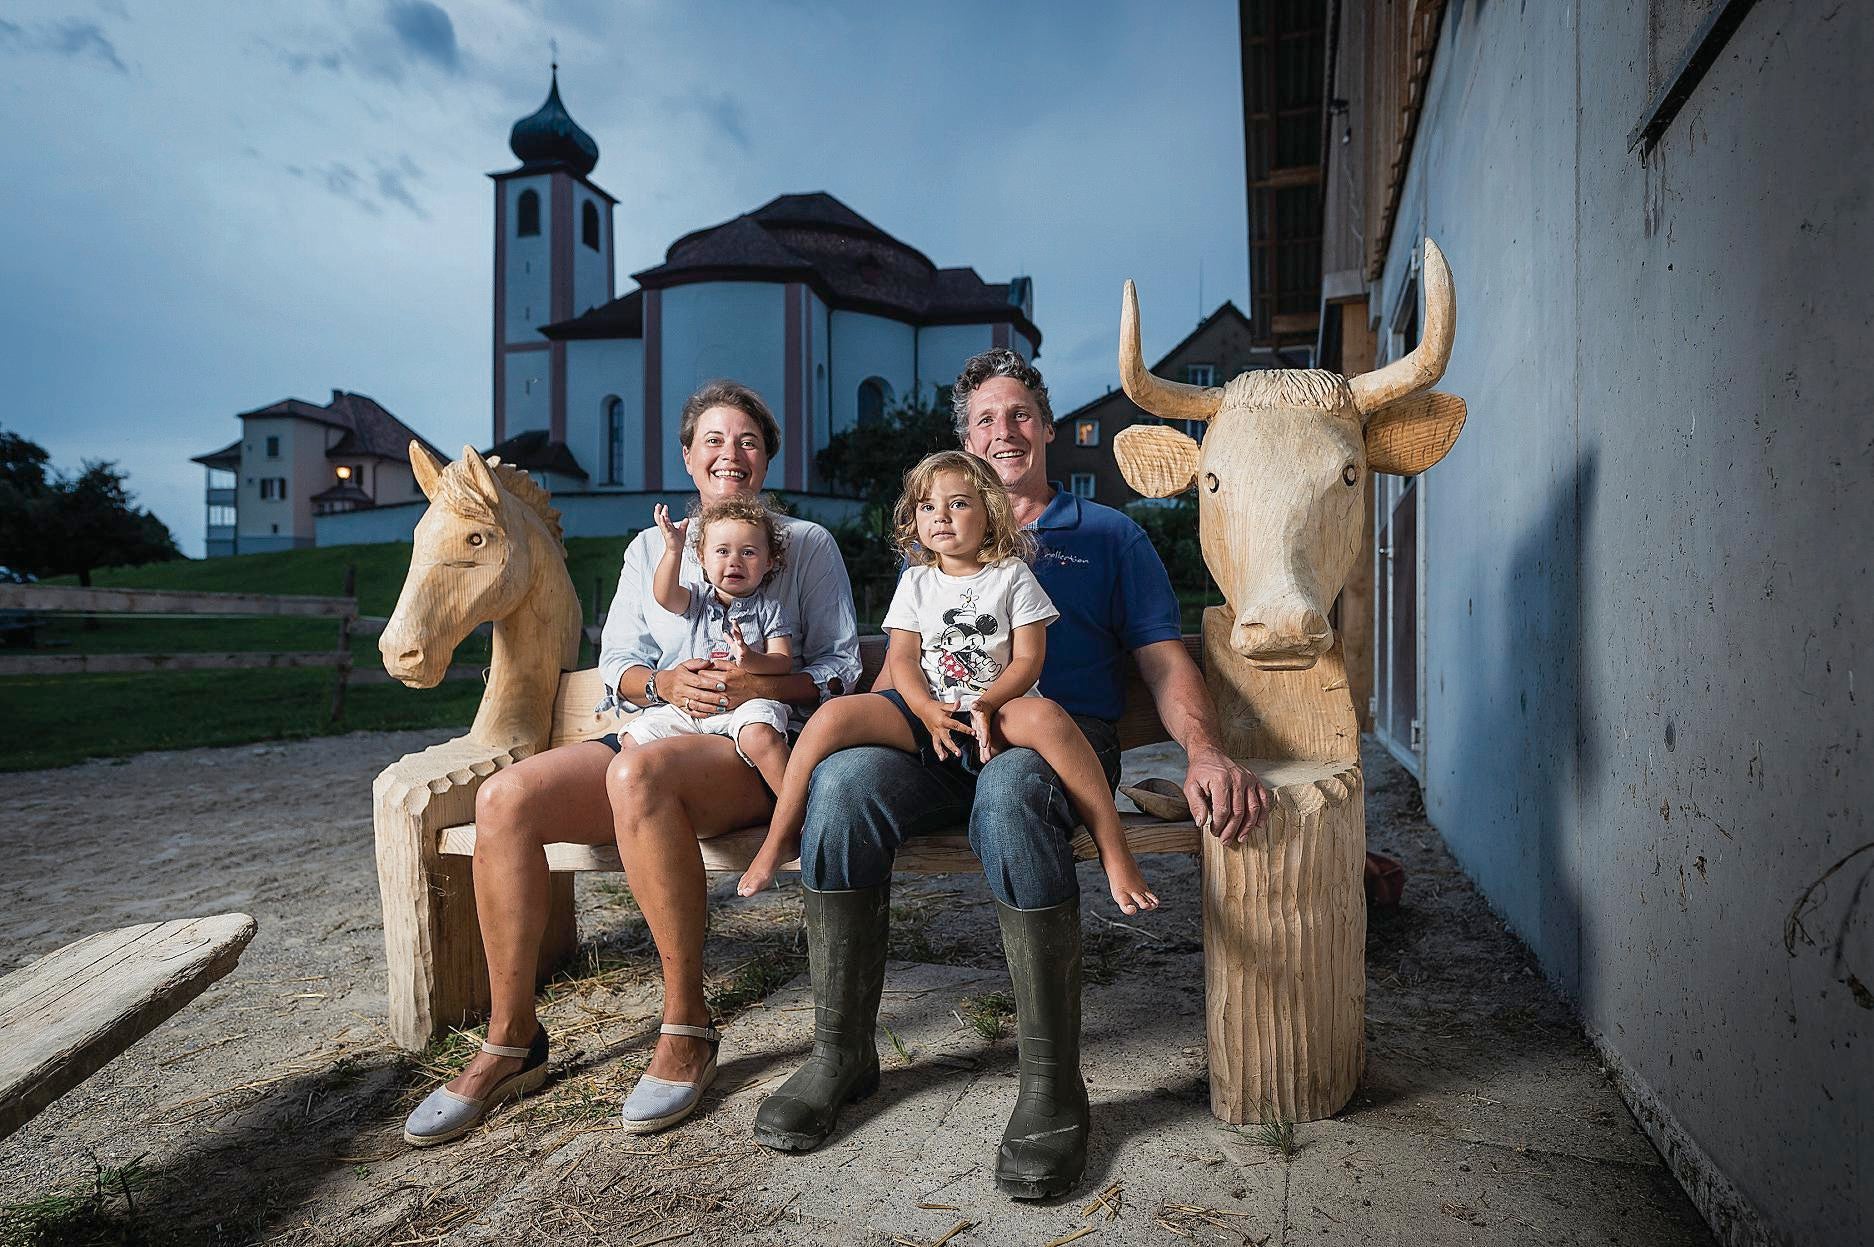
(1281, 470)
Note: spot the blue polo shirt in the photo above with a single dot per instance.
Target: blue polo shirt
(1114, 596)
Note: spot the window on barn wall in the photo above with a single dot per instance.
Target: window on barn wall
(874, 397)
(1200, 374)
(589, 225)
(614, 440)
(527, 214)
(1081, 483)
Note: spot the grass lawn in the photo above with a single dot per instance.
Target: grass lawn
(124, 714)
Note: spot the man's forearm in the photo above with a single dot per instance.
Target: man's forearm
(1180, 696)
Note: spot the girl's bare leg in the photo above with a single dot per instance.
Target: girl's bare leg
(1041, 725)
(859, 719)
(767, 749)
(665, 796)
(557, 795)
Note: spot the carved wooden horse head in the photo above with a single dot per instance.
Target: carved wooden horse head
(1281, 470)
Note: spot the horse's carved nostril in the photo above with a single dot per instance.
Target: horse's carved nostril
(410, 658)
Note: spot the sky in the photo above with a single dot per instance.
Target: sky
(209, 207)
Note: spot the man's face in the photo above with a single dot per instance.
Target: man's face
(1007, 429)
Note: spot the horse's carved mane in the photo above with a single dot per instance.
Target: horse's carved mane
(458, 493)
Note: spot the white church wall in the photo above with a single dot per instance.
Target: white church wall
(820, 393)
(865, 346)
(598, 369)
(732, 329)
(590, 267)
(529, 270)
(942, 350)
(529, 396)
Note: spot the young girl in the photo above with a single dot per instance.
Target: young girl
(968, 631)
(740, 547)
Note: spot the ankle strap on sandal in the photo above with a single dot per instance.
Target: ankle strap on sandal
(505, 1050)
(695, 1032)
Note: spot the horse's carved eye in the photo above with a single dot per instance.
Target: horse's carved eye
(1211, 482)
(476, 539)
(1350, 474)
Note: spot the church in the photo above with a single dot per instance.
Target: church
(827, 316)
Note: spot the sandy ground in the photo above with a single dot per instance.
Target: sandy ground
(269, 1109)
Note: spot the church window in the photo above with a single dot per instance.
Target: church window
(874, 396)
(614, 440)
(589, 225)
(527, 214)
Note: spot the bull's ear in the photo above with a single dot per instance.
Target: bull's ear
(427, 468)
(1156, 461)
(1409, 435)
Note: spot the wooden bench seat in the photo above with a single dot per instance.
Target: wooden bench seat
(68, 1013)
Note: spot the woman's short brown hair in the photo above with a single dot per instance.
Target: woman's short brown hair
(725, 393)
(749, 511)
(1003, 538)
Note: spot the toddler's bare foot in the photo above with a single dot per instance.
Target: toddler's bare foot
(1130, 892)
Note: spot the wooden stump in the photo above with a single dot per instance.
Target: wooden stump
(1285, 950)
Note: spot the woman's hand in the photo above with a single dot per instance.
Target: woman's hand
(673, 533)
(701, 687)
(938, 718)
(983, 725)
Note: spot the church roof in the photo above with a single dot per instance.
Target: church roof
(548, 137)
(813, 238)
(367, 428)
(534, 451)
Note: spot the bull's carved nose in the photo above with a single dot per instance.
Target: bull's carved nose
(1282, 639)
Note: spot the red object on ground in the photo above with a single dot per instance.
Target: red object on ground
(1385, 881)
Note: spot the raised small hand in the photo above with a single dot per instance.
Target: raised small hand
(738, 645)
(673, 533)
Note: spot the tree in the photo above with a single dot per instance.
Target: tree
(53, 524)
(869, 461)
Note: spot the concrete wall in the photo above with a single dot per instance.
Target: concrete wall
(598, 369)
(1648, 568)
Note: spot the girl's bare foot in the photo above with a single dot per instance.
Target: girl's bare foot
(1129, 890)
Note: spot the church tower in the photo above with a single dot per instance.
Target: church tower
(553, 261)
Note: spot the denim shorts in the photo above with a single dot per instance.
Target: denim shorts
(971, 763)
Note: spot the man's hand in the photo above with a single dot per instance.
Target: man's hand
(1226, 800)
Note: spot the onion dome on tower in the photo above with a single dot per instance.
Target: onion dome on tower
(551, 137)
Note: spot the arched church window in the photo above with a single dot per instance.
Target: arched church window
(527, 214)
(874, 397)
(589, 225)
(614, 440)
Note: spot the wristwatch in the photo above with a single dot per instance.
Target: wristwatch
(651, 697)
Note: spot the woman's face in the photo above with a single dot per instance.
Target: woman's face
(726, 457)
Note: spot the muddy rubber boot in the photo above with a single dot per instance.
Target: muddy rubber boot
(1044, 1148)
(847, 934)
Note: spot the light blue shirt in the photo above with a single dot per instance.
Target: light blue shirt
(812, 591)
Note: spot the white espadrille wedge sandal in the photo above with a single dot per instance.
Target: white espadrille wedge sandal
(444, 1115)
(657, 1103)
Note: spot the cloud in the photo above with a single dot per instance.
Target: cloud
(723, 113)
(425, 32)
(389, 183)
(70, 38)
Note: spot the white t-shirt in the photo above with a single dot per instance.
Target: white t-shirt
(966, 624)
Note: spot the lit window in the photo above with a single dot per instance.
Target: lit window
(1081, 483)
(1087, 433)
(527, 214)
(589, 225)
(1200, 374)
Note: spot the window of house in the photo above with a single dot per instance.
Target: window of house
(1081, 483)
(589, 225)
(1086, 432)
(273, 448)
(874, 396)
(1200, 374)
(221, 517)
(527, 214)
(614, 440)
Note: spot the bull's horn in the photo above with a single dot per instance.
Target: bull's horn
(1421, 369)
(1168, 400)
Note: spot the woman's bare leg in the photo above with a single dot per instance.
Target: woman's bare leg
(665, 796)
(559, 794)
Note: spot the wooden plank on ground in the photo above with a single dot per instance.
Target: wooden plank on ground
(71, 598)
(116, 664)
(68, 1013)
(925, 855)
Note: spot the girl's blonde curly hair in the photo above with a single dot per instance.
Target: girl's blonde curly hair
(750, 511)
(1003, 538)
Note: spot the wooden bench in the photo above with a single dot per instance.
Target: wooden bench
(68, 1013)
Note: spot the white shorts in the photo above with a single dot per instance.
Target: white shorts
(660, 722)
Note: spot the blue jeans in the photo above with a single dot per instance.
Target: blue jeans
(863, 803)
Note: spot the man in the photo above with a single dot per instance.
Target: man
(1114, 597)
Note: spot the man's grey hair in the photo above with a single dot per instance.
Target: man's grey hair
(997, 362)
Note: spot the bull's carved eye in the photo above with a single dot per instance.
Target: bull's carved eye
(1211, 482)
(476, 539)
(1350, 474)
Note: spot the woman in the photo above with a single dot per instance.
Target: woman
(657, 800)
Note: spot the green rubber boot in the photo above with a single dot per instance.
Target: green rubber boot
(1044, 1148)
(847, 934)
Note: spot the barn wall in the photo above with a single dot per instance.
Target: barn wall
(1648, 566)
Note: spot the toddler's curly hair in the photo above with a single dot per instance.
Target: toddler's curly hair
(1003, 538)
(750, 511)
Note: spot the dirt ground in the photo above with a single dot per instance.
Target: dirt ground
(269, 1110)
